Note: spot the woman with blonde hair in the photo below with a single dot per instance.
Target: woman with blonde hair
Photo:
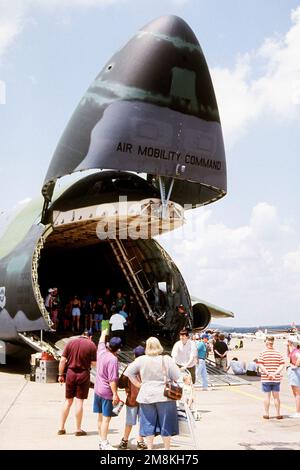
(158, 414)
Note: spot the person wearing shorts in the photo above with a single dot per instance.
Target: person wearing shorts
(271, 363)
(158, 414)
(76, 312)
(132, 406)
(79, 355)
(103, 406)
(106, 386)
(293, 371)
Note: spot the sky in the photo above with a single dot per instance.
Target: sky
(241, 253)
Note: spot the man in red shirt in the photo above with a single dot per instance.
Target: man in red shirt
(271, 363)
(79, 355)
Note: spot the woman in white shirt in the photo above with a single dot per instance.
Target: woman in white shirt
(158, 414)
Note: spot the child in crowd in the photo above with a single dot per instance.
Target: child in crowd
(187, 390)
(132, 407)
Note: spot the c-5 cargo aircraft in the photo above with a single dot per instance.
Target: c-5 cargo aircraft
(149, 128)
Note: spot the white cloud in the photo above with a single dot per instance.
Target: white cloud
(73, 3)
(179, 3)
(249, 269)
(24, 201)
(11, 22)
(265, 222)
(292, 261)
(243, 98)
(13, 14)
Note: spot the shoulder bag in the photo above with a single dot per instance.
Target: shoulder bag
(171, 390)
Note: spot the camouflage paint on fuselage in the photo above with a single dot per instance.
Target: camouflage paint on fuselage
(152, 109)
(21, 311)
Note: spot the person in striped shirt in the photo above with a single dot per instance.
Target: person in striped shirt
(271, 363)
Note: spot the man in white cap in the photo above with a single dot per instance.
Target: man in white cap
(48, 299)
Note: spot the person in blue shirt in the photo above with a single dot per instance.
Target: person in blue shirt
(205, 336)
(201, 366)
(123, 313)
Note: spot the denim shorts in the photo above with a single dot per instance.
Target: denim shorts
(103, 405)
(98, 317)
(159, 418)
(75, 312)
(131, 415)
(270, 387)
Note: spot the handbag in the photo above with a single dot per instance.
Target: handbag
(171, 390)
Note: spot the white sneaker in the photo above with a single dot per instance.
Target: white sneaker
(105, 445)
(295, 415)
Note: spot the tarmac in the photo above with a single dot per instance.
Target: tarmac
(230, 415)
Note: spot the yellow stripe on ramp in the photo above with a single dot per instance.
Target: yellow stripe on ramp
(236, 389)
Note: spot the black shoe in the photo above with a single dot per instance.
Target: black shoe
(123, 444)
(141, 445)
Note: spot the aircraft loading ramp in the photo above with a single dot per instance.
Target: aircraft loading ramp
(216, 376)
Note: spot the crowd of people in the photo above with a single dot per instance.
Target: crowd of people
(269, 366)
(271, 363)
(93, 313)
(144, 380)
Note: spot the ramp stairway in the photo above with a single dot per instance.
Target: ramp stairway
(217, 377)
(135, 275)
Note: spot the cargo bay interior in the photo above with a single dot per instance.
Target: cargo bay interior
(75, 261)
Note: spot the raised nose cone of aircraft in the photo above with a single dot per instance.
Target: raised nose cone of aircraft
(172, 27)
(152, 109)
(162, 64)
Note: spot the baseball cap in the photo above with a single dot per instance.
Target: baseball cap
(139, 351)
(115, 343)
(88, 332)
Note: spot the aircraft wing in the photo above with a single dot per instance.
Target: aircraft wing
(214, 310)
